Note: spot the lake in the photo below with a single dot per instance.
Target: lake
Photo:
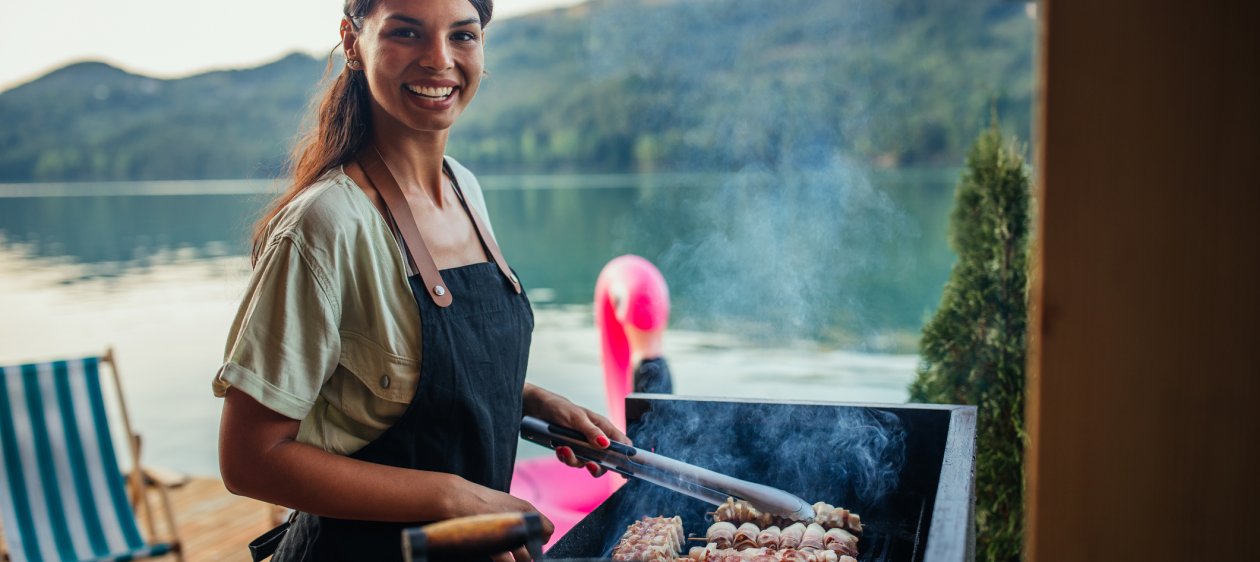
(803, 285)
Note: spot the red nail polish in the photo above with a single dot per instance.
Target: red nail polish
(592, 468)
(603, 441)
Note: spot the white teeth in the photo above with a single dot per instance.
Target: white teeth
(431, 92)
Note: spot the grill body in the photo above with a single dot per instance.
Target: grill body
(908, 470)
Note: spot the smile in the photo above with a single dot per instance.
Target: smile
(432, 93)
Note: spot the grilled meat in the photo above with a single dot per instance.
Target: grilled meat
(651, 539)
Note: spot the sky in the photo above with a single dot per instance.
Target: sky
(173, 38)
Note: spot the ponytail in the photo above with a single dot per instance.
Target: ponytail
(343, 125)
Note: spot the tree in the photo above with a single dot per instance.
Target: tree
(973, 349)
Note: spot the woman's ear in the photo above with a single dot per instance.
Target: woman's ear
(349, 39)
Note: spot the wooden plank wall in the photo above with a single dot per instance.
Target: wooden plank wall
(1145, 357)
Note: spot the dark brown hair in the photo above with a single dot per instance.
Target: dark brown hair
(343, 123)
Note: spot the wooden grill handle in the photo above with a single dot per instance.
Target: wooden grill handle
(474, 536)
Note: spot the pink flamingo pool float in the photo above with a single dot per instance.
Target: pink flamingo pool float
(631, 313)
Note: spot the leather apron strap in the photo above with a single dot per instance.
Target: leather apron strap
(488, 241)
(382, 178)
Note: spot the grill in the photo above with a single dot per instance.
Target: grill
(908, 470)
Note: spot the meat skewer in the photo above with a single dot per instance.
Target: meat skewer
(746, 536)
(825, 514)
(840, 541)
(793, 555)
(742, 533)
(740, 511)
(790, 538)
(768, 537)
(721, 534)
(831, 517)
(812, 539)
(651, 539)
(709, 554)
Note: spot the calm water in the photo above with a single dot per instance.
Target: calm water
(804, 286)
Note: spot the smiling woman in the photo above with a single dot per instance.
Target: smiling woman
(374, 377)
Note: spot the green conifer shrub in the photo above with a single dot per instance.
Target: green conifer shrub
(973, 348)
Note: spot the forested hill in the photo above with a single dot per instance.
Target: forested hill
(609, 86)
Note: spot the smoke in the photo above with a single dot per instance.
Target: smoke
(850, 457)
(843, 455)
(795, 231)
(785, 248)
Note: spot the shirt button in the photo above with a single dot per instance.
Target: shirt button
(384, 381)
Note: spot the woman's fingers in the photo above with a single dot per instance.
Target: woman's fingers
(566, 456)
(598, 429)
(595, 470)
(594, 435)
(608, 428)
(520, 555)
(547, 526)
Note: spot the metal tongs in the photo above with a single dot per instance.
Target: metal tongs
(699, 483)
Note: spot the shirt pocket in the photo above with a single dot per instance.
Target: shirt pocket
(387, 376)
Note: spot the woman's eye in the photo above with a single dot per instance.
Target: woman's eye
(404, 33)
(465, 36)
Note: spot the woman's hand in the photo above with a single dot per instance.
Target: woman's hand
(557, 409)
(473, 499)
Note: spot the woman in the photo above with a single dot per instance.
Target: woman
(341, 401)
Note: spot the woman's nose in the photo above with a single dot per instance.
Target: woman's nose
(437, 55)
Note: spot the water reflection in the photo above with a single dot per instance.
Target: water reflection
(825, 256)
(159, 278)
(115, 235)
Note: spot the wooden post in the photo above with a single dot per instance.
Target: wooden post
(1146, 292)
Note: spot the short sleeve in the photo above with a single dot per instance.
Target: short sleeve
(284, 342)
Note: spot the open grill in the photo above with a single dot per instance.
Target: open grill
(907, 469)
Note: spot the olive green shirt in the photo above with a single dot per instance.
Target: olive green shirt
(328, 331)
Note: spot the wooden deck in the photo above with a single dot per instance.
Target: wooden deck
(214, 524)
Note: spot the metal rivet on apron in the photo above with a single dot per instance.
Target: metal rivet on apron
(513, 278)
(439, 290)
(384, 381)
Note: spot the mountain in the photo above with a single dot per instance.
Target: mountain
(90, 121)
(607, 86)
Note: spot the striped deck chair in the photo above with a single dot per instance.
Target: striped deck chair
(62, 494)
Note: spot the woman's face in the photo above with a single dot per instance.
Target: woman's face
(423, 60)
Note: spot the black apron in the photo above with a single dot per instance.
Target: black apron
(465, 417)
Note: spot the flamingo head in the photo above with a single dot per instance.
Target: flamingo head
(631, 312)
